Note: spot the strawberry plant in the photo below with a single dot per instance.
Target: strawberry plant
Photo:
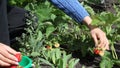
(58, 59)
(48, 29)
(108, 61)
(106, 21)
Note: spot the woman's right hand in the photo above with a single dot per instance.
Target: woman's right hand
(7, 57)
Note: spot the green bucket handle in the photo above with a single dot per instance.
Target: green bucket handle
(25, 62)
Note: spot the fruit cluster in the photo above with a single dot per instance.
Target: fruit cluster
(99, 51)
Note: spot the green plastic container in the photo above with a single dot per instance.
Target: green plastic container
(25, 62)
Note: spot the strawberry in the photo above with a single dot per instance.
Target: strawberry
(18, 56)
(96, 51)
(48, 47)
(56, 44)
(99, 51)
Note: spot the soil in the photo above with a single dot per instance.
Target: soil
(45, 66)
(117, 47)
(93, 61)
(107, 6)
(88, 62)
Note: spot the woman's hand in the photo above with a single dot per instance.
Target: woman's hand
(97, 34)
(7, 56)
(99, 38)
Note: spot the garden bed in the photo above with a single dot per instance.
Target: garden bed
(107, 5)
(91, 61)
(55, 27)
(117, 47)
(45, 66)
(87, 62)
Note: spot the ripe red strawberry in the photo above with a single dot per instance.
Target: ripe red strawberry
(96, 51)
(99, 51)
(18, 56)
(13, 66)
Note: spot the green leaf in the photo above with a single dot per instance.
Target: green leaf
(58, 53)
(35, 54)
(12, 2)
(32, 40)
(46, 62)
(47, 3)
(107, 55)
(76, 61)
(60, 63)
(53, 16)
(65, 60)
(73, 62)
(95, 21)
(45, 54)
(117, 62)
(39, 36)
(49, 30)
(106, 64)
(89, 9)
(53, 57)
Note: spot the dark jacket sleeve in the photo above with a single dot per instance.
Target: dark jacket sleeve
(4, 32)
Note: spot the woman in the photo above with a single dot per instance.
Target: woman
(71, 7)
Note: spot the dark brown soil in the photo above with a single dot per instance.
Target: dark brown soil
(93, 61)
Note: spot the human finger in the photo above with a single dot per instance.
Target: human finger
(10, 50)
(95, 39)
(101, 43)
(6, 60)
(107, 44)
(2, 64)
(5, 53)
(102, 39)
